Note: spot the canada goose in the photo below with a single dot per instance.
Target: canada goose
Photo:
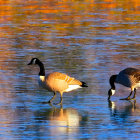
(129, 77)
(56, 82)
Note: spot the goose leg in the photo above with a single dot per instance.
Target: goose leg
(134, 94)
(61, 99)
(52, 98)
(127, 98)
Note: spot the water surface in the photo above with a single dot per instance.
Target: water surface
(89, 40)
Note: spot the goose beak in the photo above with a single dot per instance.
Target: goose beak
(109, 98)
(109, 94)
(29, 63)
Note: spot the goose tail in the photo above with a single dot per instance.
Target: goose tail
(84, 84)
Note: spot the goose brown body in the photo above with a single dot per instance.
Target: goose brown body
(59, 82)
(129, 77)
(56, 81)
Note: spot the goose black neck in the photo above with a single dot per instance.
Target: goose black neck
(42, 70)
(112, 81)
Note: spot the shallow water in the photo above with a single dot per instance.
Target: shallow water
(89, 40)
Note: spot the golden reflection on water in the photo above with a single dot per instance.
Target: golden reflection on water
(65, 120)
(46, 25)
(61, 121)
(66, 17)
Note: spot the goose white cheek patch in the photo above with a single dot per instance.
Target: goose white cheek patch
(113, 91)
(34, 61)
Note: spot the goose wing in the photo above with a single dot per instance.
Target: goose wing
(64, 77)
(131, 72)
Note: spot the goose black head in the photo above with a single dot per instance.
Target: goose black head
(34, 61)
(110, 93)
(112, 90)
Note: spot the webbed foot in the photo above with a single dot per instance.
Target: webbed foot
(128, 98)
(133, 98)
(48, 102)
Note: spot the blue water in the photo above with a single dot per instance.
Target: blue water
(87, 43)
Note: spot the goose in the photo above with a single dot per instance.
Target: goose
(56, 81)
(129, 77)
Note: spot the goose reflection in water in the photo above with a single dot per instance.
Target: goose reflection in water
(120, 113)
(68, 121)
(61, 121)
